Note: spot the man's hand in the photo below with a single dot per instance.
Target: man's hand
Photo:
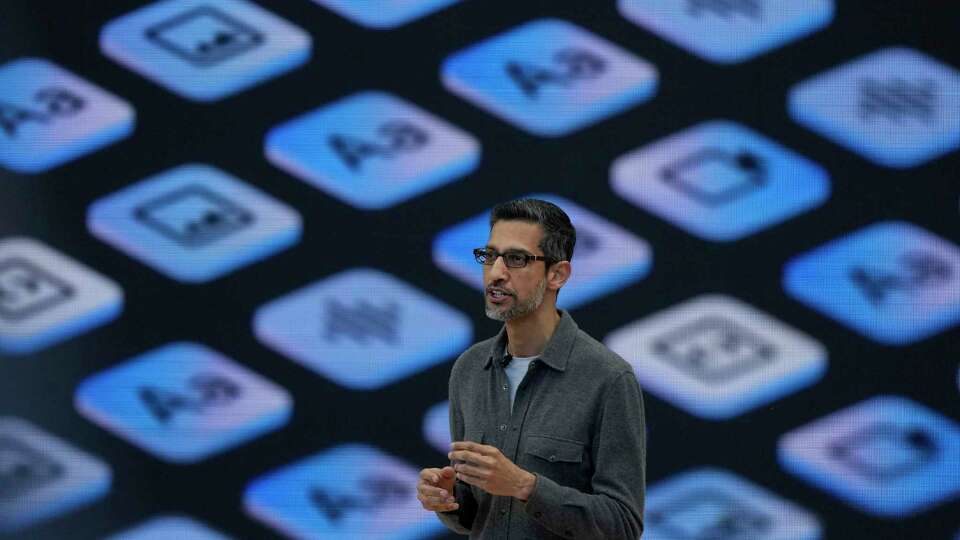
(435, 489)
(488, 469)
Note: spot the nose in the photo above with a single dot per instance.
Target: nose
(497, 271)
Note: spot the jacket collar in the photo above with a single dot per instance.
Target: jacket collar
(557, 352)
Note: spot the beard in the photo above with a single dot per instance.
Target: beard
(519, 307)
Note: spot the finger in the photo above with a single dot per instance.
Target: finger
(472, 480)
(429, 491)
(465, 455)
(443, 507)
(470, 470)
(430, 475)
(467, 445)
(448, 472)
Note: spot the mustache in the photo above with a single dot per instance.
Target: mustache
(493, 288)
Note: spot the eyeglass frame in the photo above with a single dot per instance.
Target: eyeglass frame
(527, 257)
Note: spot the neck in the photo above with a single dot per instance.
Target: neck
(528, 335)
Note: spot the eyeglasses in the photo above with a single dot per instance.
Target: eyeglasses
(513, 259)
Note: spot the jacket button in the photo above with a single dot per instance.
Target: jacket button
(503, 511)
(503, 427)
(552, 458)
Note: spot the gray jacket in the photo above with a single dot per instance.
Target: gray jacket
(577, 424)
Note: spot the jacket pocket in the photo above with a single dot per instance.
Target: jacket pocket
(555, 450)
(560, 460)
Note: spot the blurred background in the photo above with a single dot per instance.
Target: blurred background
(235, 261)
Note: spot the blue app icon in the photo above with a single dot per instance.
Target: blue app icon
(49, 116)
(717, 357)
(205, 50)
(720, 181)
(183, 402)
(47, 297)
(896, 107)
(709, 503)
(372, 149)
(888, 456)
(384, 14)
(194, 223)
(363, 328)
(42, 476)
(350, 491)
(729, 31)
(169, 527)
(892, 281)
(549, 77)
(607, 256)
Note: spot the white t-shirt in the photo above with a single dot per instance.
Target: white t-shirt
(516, 369)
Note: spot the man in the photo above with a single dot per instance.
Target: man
(547, 422)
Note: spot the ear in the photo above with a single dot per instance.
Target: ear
(558, 274)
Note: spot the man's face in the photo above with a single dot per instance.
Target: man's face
(510, 293)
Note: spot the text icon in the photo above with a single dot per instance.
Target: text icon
(183, 402)
(896, 107)
(47, 297)
(363, 328)
(549, 77)
(717, 357)
(350, 491)
(720, 181)
(372, 149)
(888, 455)
(49, 116)
(892, 281)
(194, 222)
(205, 50)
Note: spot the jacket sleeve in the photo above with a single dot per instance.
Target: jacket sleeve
(460, 520)
(615, 508)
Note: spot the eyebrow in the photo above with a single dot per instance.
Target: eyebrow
(509, 250)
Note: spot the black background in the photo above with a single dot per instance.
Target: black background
(347, 58)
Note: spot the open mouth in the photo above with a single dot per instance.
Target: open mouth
(496, 295)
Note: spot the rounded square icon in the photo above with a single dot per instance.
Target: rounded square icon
(47, 297)
(709, 503)
(549, 77)
(49, 116)
(607, 257)
(194, 223)
(183, 402)
(372, 150)
(896, 107)
(717, 357)
(892, 281)
(363, 328)
(42, 476)
(384, 14)
(167, 528)
(729, 31)
(349, 491)
(205, 50)
(720, 181)
(888, 456)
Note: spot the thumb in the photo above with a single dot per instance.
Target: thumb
(448, 472)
